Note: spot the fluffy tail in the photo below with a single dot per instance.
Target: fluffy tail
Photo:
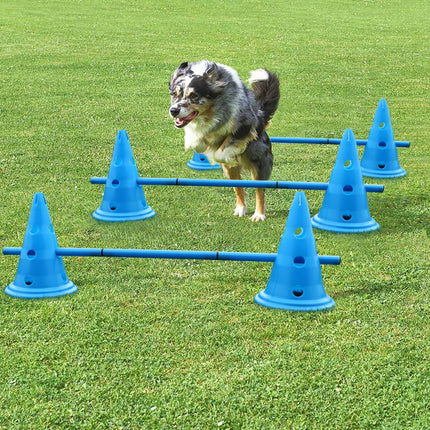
(265, 86)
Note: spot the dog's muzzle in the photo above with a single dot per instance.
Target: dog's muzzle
(181, 122)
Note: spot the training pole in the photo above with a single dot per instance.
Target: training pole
(322, 141)
(237, 183)
(167, 254)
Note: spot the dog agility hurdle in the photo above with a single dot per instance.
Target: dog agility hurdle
(379, 159)
(124, 198)
(295, 282)
(168, 254)
(329, 141)
(281, 185)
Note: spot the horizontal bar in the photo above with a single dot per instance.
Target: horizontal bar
(232, 183)
(238, 183)
(322, 141)
(177, 255)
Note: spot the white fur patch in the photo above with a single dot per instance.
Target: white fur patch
(200, 67)
(240, 211)
(258, 75)
(258, 217)
(228, 155)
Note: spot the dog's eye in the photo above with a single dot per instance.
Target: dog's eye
(193, 97)
(176, 92)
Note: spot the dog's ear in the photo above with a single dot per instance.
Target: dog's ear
(178, 72)
(211, 72)
(214, 77)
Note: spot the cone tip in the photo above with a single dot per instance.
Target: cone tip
(122, 135)
(39, 198)
(299, 198)
(348, 135)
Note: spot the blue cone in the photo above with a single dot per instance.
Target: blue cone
(123, 199)
(40, 271)
(295, 282)
(379, 158)
(345, 208)
(201, 162)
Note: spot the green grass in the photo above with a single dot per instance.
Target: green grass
(162, 344)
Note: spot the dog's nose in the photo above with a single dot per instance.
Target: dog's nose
(174, 111)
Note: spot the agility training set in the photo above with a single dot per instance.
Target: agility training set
(295, 282)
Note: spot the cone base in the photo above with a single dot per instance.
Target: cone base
(38, 293)
(372, 173)
(101, 215)
(263, 299)
(346, 227)
(200, 162)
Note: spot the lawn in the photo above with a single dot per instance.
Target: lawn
(163, 344)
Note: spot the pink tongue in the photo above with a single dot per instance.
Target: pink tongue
(180, 121)
(190, 117)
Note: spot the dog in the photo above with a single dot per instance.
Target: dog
(226, 120)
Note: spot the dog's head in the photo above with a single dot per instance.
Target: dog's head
(193, 89)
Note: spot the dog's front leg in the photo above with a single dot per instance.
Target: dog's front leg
(234, 145)
(227, 153)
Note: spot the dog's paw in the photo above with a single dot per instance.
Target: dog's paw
(258, 217)
(240, 211)
(226, 156)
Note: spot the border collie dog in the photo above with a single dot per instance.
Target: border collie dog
(226, 120)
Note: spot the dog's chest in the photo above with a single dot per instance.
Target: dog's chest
(199, 137)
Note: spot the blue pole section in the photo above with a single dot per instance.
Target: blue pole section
(177, 255)
(238, 183)
(322, 141)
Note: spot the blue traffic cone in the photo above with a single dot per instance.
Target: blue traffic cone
(295, 282)
(201, 162)
(379, 158)
(345, 208)
(40, 271)
(123, 199)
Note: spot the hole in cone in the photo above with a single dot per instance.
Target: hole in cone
(382, 125)
(347, 164)
(347, 217)
(115, 182)
(299, 232)
(299, 260)
(298, 293)
(348, 189)
(381, 166)
(34, 229)
(28, 280)
(31, 253)
(112, 207)
(382, 144)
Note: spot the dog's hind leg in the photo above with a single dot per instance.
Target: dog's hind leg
(259, 160)
(234, 173)
(259, 201)
(259, 207)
